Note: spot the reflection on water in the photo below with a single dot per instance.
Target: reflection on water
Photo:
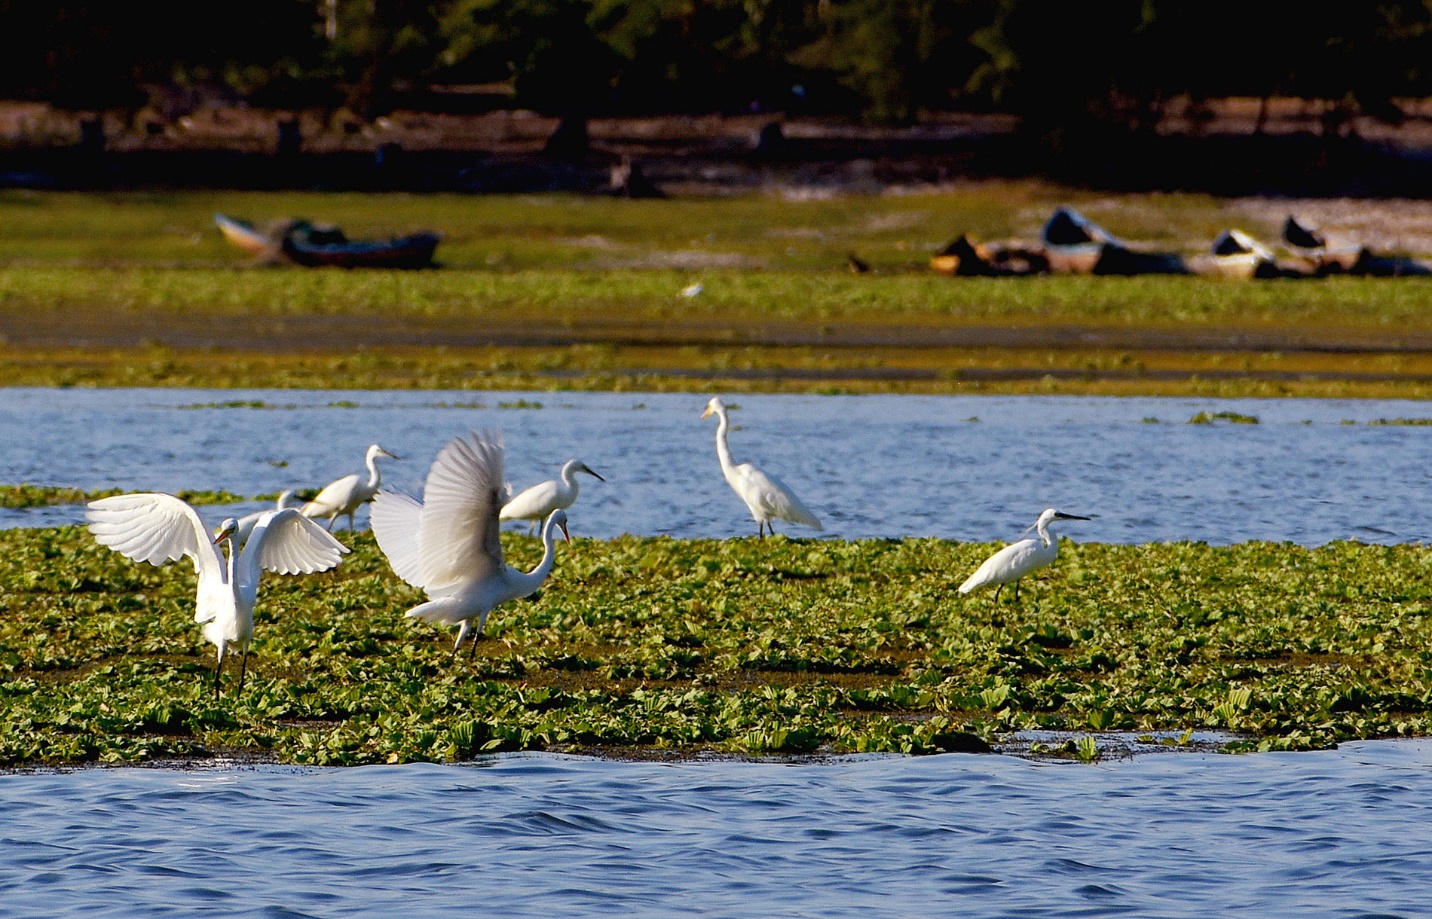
(1338, 833)
(972, 468)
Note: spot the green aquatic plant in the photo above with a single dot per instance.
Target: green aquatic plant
(749, 647)
(1230, 417)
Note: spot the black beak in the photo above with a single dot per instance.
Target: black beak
(1058, 515)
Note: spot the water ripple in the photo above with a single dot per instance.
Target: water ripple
(1340, 833)
(872, 466)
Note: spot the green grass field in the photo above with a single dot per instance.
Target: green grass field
(549, 291)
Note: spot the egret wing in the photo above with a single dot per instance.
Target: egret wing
(1008, 564)
(458, 540)
(286, 542)
(776, 498)
(536, 501)
(396, 519)
(158, 528)
(154, 528)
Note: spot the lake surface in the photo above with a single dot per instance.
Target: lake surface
(968, 468)
(1336, 833)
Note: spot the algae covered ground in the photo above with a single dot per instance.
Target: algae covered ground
(655, 646)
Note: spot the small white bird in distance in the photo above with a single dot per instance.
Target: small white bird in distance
(693, 291)
(1019, 558)
(766, 496)
(346, 495)
(448, 544)
(159, 528)
(246, 522)
(537, 502)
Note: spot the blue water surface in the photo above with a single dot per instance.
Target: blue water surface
(962, 467)
(1335, 833)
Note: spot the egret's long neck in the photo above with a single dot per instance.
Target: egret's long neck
(533, 579)
(232, 563)
(569, 481)
(723, 452)
(373, 476)
(1046, 538)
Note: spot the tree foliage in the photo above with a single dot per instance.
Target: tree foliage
(1118, 62)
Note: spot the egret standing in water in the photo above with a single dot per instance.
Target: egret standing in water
(766, 496)
(346, 495)
(158, 528)
(448, 545)
(1017, 559)
(537, 502)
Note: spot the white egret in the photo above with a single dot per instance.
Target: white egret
(159, 528)
(346, 495)
(766, 496)
(246, 522)
(1019, 558)
(448, 545)
(537, 502)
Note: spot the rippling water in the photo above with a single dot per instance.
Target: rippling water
(976, 468)
(1337, 833)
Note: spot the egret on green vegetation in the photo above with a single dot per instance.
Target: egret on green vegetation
(246, 522)
(766, 496)
(537, 502)
(448, 544)
(158, 528)
(1017, 559)
(346, 495)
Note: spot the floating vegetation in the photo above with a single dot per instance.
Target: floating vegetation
(24, 495)
(744, 646)
(1413, 422)
(230, 403)
(520, 404)
(1230, 417)
(344, 403)
(466, 405)
(1150, 420)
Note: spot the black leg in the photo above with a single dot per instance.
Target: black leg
(996, 595)
(1016, 592)
(243, 668)
(218, 669)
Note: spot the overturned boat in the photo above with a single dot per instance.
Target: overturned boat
(301, 242)
(1323, 258)
(1235, 254)
(1074, 244)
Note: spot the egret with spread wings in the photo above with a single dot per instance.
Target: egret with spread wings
(448, 545)
(158, 528)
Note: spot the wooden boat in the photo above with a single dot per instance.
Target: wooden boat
(1072, 243)
(303, 243)
(1075, 245)
(242, 234)
(1235, 254)
(1312, 246)
(966, 258)
(311, 249)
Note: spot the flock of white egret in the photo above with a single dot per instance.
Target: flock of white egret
(446, 544)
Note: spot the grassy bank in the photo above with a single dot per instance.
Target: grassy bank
(740, 646)
(564, 292)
